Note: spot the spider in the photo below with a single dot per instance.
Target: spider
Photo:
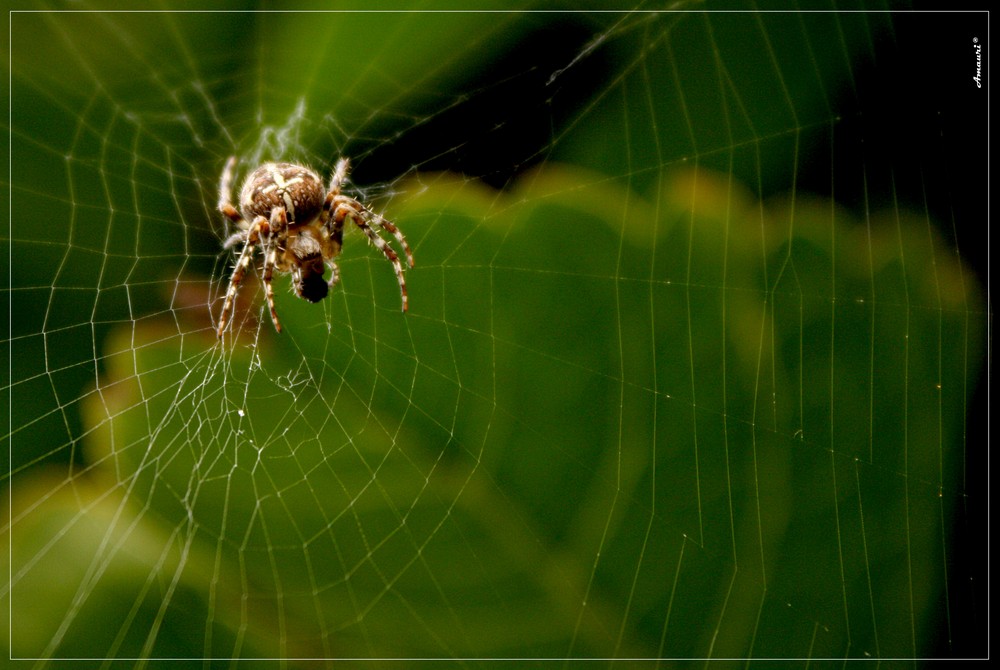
(300, 229)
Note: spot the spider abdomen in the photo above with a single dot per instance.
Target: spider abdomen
(294, 187)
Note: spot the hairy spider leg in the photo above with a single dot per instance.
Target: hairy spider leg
(278, 230)
(334, 233)
(347, 207)
(337, 180)
(246, 255)
(334, 241)
(396, 232)
(239, 236)
(269, 262)
(333, 196)
(334, 274)
(225, 190)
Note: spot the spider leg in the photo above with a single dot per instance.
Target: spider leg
(279, 231)
(336, 181)
(396, 232)
(351, 209)
(225, 190)
(246, 255)
(334, 274)
(339, 175)
(240, 236)
(269, 262)
(332, 233)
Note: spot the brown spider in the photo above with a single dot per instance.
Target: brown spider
(282, 207)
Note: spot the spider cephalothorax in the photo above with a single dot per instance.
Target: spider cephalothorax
(283, 207)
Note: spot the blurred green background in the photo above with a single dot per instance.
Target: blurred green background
(692, 369)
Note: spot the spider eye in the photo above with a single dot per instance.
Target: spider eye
(312, 287)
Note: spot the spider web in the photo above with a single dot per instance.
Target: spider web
(694, 367)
